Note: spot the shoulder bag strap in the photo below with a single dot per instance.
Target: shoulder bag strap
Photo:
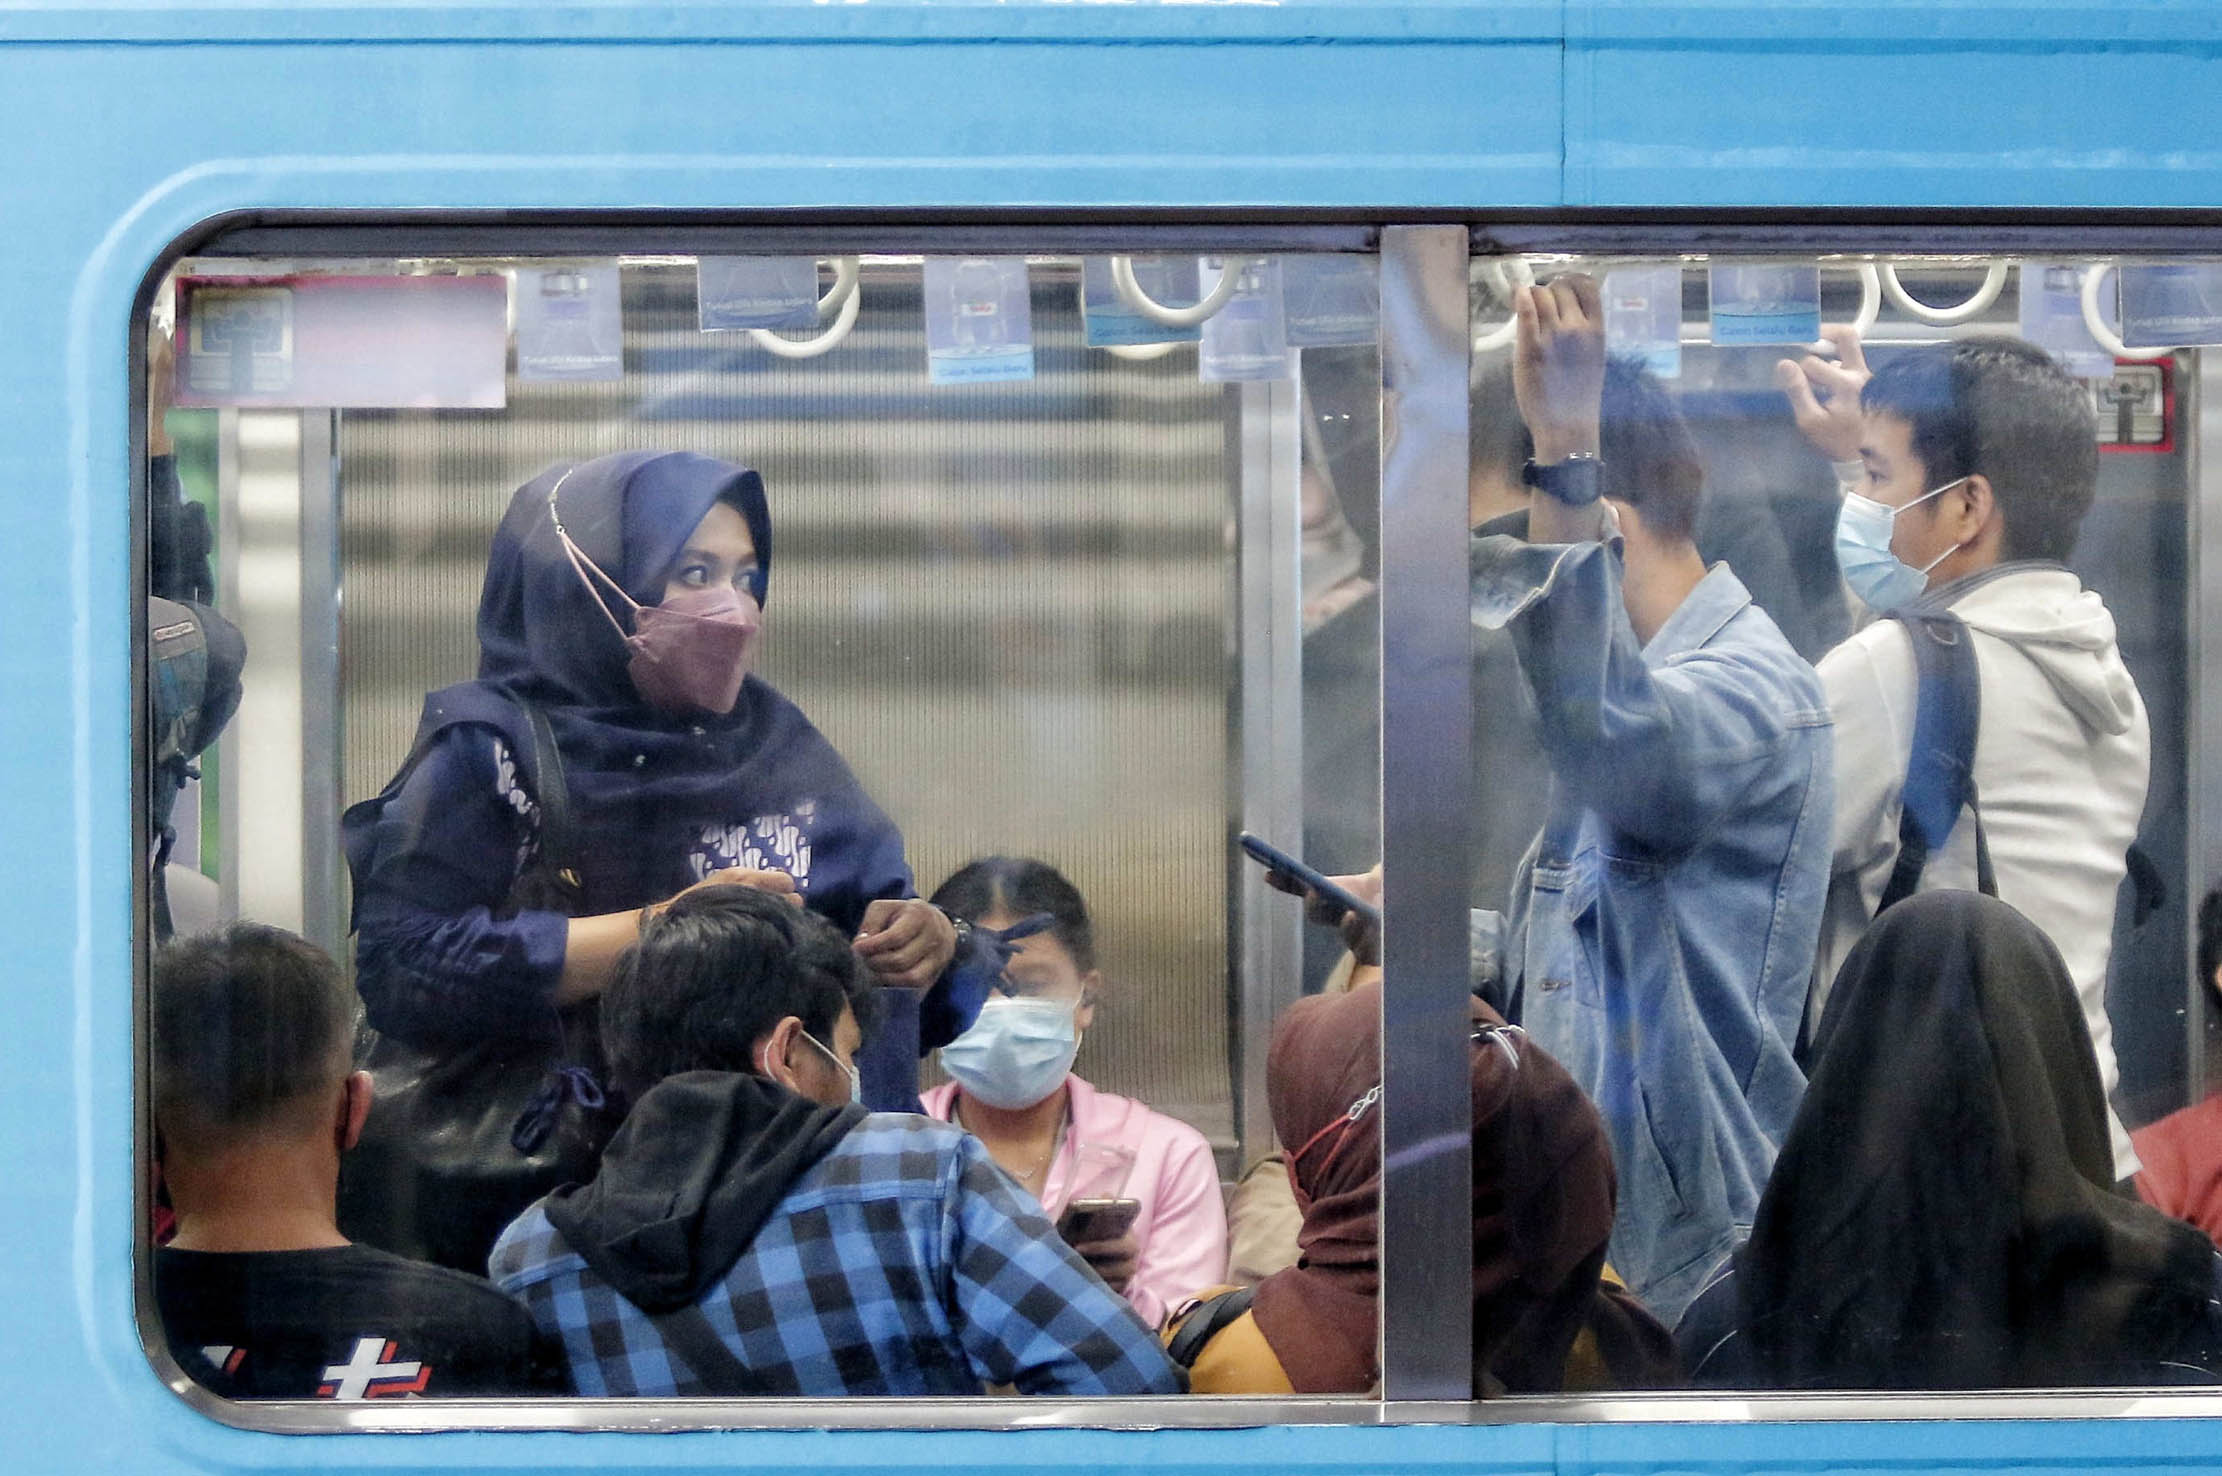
(550, 787)
(1206, 1322)
(688, 1333)
(1940, 773)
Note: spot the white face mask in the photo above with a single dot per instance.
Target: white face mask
(1016, 1053)
(856, 1079)
(1877, 575)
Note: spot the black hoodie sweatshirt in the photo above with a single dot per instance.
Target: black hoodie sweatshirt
(700, 1164)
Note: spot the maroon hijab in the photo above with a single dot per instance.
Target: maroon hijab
(1542, 1201)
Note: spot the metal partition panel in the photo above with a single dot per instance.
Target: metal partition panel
(2202, 413)
(1426, 737)
(1270, 725)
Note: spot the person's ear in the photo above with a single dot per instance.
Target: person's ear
(1969, 507)
(355, 1099)
(1084, 1013)
(775, 1054)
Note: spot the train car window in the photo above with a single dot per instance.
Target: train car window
(1831, 686)
(810, 827)
(617, 717)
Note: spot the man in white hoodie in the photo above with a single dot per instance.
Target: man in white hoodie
(1967, 469)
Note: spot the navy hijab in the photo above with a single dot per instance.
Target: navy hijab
(642, 783)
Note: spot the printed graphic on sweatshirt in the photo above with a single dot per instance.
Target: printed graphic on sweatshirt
(766, 843)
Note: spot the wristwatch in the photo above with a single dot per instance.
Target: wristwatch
(1577, 481)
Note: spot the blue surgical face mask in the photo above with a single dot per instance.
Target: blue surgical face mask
(1016, 1053)
(1877, 575)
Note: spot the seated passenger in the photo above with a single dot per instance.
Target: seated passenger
(1943, 1213)
(2182, 1153)
(1658, 937)
(1967, 469)
(753, 1230)
(261, 1296)
(1015, 1091)
(1542, 1208)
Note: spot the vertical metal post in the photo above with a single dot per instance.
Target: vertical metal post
(1269, 773)
(323, 915)
(227, 599)
(2203, 678)
(1426, 739)
(260, 479)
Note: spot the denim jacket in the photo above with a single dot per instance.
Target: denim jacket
(1661, 932)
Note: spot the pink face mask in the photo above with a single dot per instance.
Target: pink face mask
(689, 654)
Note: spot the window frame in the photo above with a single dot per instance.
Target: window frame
(1424, 757)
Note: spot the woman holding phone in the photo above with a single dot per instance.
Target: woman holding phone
(1134, 1191)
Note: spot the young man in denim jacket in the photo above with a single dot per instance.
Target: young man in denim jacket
(1660, 933)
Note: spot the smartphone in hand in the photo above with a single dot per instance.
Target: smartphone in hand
(1087, 1221)
(1273, 858)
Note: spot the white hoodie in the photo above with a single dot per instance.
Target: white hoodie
(2060, 769)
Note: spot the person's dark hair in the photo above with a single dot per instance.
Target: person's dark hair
(1496, 437)
(1022, 886)
(249, 1021)
(1651, 460)
(2003, 408)
(713, 973)
(2210, 938)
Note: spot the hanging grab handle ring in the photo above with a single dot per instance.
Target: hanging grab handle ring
(843, 302)
(1131, 293)
(1993, 280)
(1504, 278)
(1141, 352)
(2105, 337)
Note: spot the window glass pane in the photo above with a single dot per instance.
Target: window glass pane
(549, 590)
(1762, 627)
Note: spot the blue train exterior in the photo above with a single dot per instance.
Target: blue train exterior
(130, 126)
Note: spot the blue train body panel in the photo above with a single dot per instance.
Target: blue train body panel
(126, 125)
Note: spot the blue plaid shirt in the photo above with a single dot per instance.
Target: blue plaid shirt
(903, 1262)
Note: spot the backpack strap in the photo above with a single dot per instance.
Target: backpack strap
(1209, 1318)
(1940, 774)
(687, 1333)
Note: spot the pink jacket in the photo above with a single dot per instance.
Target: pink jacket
(1182, 1227)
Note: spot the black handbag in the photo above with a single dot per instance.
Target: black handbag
(462, 1136)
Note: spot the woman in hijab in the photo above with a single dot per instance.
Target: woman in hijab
(623, 602)
(1542, 1211)
(1942, 1215)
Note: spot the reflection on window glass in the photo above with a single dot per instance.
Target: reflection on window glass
(650, 637)
(767, 919)
(1800, 626)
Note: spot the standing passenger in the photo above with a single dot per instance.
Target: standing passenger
(1061, 1138)
(1968, 468)
(1659, 937)
(624, 599)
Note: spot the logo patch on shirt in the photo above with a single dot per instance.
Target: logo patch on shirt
(372, 1372)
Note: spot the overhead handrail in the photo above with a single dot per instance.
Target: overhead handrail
(1994, 279)
(842, 300)
(1503, 277)
(1131, 293)
(2094, 321)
